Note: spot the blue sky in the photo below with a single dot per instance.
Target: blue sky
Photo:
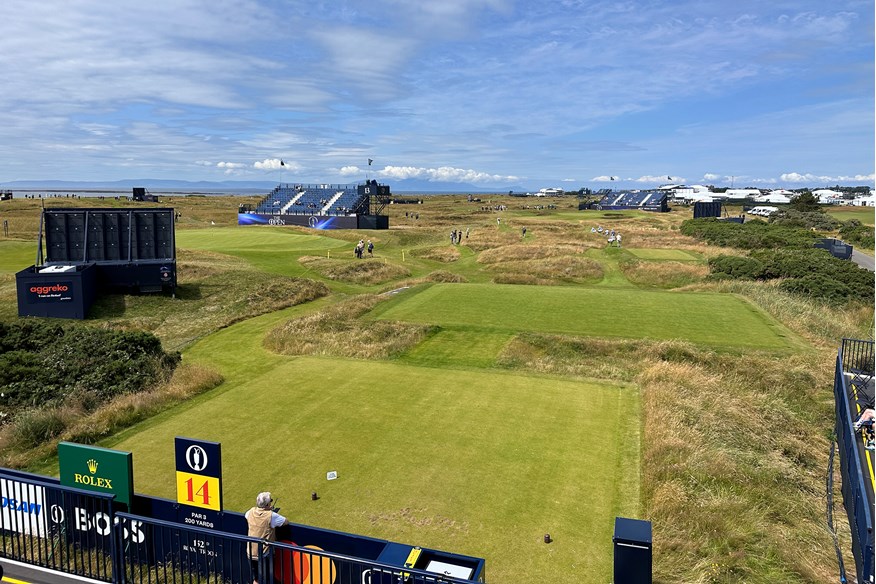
(487, 92)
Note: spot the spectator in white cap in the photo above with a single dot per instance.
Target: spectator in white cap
(262, 522)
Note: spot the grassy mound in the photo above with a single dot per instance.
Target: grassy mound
(336, 331)
(367, 271)
(437, 254)
(664, 274)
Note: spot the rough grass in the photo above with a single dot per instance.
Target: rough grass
(734, 446)
(445, 254)
(33, 437)
(734, 452)
(336, 331)
(550, 269)
(663, 274)
(518, 252)
(367, 271)
(202, 306)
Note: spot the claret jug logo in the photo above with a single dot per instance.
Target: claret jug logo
(90, 479)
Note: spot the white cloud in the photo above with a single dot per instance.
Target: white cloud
(569, 180)
(659, 179)
(711, 176)
(269, 164)
(350, 171)
(443, 174)
(603, 178)
(796, 177)
(230, 165)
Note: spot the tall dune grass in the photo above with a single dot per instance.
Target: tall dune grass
(734, 452)
(336, 331)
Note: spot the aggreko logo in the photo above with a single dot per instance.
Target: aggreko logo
(47, 289)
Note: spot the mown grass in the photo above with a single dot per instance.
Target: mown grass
(712, 319)
(472, 462)
(733, 439)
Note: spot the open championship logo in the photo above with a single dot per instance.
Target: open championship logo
(196, 458)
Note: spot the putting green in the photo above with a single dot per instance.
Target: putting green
(719, 320)
(241, 240)
(663, 254)
(272, 249)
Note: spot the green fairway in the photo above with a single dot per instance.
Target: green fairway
(866, 215)
(663, 254)
(718, 320)
(458, 348)
(272, 249)
(479, 463)
(16, 255)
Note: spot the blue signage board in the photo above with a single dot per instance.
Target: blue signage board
(199, 482)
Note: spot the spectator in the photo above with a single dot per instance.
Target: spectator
(262, 522)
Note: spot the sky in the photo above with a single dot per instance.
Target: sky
(491, 93)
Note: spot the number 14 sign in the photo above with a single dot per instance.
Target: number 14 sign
(198, 473)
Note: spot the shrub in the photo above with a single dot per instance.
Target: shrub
(818, 286)
(52, 364)
(748, 235)
(856, 234)
(804, 219)
(737, 267)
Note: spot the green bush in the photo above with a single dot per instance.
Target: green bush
(856, 234)
(805, 220)
(749, 235)
(45, 364)
(736, 267)
(818, 286)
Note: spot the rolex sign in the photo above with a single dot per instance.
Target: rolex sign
(97, 469)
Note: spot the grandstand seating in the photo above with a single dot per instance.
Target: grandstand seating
(641, 200)
(312, 200)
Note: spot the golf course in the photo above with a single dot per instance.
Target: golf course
(475, 396)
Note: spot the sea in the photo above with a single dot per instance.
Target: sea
(126, 194)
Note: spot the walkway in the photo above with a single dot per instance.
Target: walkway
(863, 260)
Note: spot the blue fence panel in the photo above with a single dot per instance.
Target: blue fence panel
(173, 552)
(855, 357)
(61, 528)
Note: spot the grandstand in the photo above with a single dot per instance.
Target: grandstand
(634, 200)
(323, 206)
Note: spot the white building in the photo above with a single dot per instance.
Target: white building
(828, 197)
(868, 201)
(691, 194)
(777, 196)
(739, 194)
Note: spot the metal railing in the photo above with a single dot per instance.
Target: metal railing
(55, 527)
(173, 552)
(78, 532)
(855, 359)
